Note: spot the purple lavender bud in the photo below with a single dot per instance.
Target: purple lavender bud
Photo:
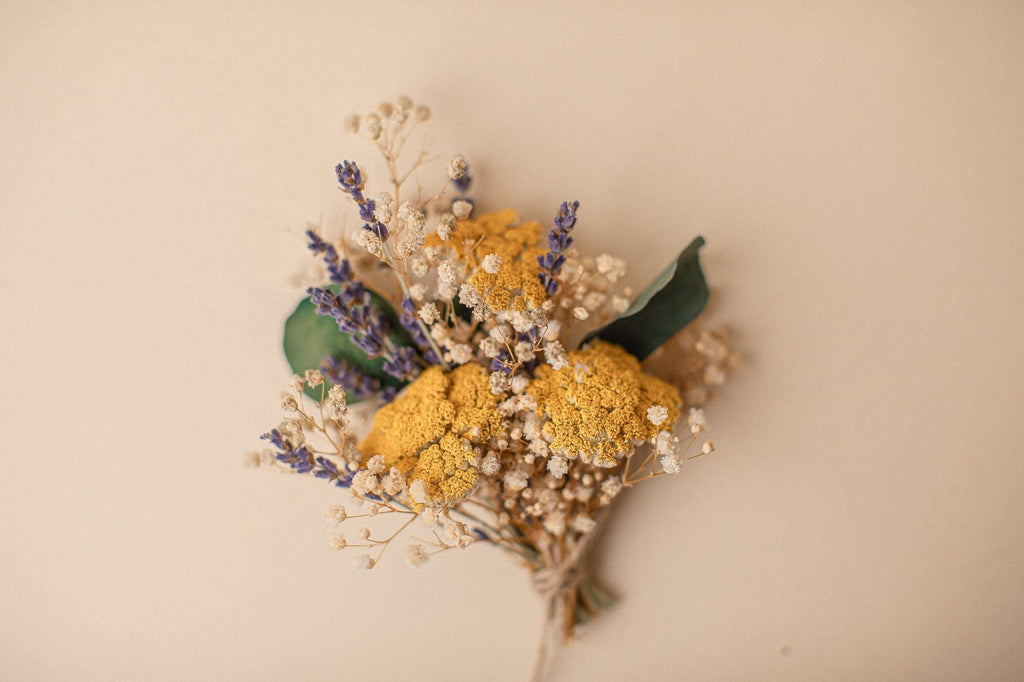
(299, 459)
(345, 324)
(403, 364)
(340, 272)
(349, 175)
(274, 436)
(410, 325)
(372, 345)
(378, 229)
(551, 262)
(566, 217)
(355, 382)
(318, 245)
(388, 394)
(372, 337)
(354, 294)
(500, 363)
(351, 180)
(559, 242)
(302, 461)
(366, 210)
(325, 468)
(376, 321)
(319, 296)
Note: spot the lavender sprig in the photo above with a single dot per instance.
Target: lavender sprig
(302, 461)
(402, 364)
(339, 268)
(351, 180)
(351, 309)
(559, 242)
(352, 183)
(355, 382)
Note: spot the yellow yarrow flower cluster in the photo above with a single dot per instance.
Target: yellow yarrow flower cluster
(430, 432)
(516, 285)
(596, 407)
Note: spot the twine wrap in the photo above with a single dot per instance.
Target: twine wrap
(563, 587)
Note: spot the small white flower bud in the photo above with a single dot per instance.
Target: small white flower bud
(456, 168)
(364, 561)
(336, 514)
(415, 556)
(657, 414)
(491, 263)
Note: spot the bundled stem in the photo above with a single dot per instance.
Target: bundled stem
(571, 598)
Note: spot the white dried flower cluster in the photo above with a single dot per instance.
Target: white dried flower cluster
(336, 514)
(556, 355)
(657, 414)
(589, 287)
(445, 226)
(491, 263)
(335, 406)
(415, 556)
(671, 464)
(456, 168)
(709, 361)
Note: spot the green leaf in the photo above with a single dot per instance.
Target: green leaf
(308, 337)
(668, 304)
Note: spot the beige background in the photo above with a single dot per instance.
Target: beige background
(856, 170)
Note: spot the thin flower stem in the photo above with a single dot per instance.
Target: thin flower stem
(394, 535)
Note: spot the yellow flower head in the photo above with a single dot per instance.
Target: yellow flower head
(516, 285)
(597, 405)
(429, 433)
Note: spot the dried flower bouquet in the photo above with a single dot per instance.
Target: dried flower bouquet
(513, 405)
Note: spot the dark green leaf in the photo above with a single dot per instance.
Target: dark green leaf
(668, 304)
(308, 337)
